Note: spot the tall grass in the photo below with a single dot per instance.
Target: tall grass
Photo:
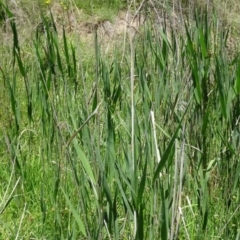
(147, 148)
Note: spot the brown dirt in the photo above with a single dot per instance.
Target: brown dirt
(76, 22)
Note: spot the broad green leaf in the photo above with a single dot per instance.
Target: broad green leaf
(84, 161)
(166, 154)
(75, 214)
(164, 217)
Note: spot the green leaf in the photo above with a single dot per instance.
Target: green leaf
(142, 183)
(140, 223)
(164, 218)
(165, 155)
(75, 215)
(84, 161)
(237, 81)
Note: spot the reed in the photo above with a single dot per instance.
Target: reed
(136, 145)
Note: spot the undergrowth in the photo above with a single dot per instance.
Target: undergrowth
(142, 144)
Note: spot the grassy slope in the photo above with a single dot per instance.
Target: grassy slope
(76, 161)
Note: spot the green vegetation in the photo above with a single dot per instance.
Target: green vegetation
(93, 6)
(135, 144)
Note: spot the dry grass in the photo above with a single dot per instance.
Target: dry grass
(111, 27)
